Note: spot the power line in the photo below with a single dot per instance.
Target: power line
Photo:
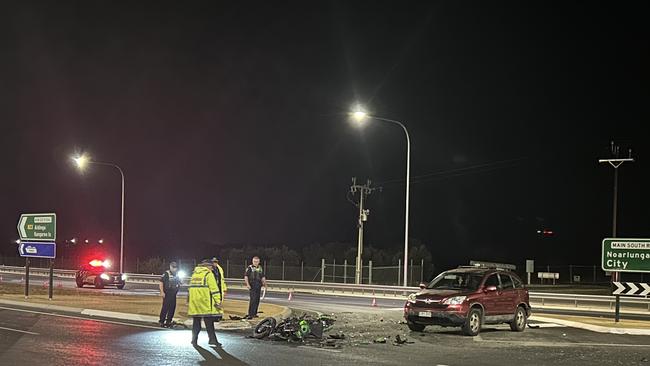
(449, 173)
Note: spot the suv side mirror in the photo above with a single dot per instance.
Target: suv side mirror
(422, 286)
(490, 289)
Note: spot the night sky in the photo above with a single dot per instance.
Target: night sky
(230, 123)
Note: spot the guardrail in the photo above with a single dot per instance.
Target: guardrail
(537, 299)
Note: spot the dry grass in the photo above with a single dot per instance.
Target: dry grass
(134, 304)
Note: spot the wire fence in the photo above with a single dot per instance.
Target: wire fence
(345, 272)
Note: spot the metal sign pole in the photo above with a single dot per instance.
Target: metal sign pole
(26, 278)
(51, 278)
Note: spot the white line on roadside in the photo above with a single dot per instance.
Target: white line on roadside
(19, 331)
(82, 318)
(322, 349)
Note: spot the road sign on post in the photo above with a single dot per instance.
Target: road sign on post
(38, 227)
(37, 249)
(626, 255)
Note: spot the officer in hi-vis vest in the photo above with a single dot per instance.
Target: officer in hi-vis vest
(169, 285)
(254, 279)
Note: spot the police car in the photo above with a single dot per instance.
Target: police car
(97, 273)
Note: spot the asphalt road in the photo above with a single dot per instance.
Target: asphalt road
(33, 338)
(321, 302)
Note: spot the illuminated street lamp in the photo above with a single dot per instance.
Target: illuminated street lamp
(82, 161)
(359, 115)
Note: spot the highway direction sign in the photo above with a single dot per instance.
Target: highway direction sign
(37, 249)
(630, 288)
(626, 255)
(40, 227)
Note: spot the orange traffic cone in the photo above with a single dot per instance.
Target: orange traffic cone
(374, 302)
(290, 296)
(45, 284)
(0, 278)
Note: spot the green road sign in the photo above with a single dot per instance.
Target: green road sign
(626, 255)
(37, 227)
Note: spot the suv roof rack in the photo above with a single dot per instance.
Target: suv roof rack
(492, 265)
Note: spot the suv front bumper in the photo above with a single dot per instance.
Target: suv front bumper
(443, 318)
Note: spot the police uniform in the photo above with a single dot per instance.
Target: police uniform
(255, 275)
(171, 284)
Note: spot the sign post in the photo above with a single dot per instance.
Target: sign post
(37, 235)
(624, 255)
(530, 268)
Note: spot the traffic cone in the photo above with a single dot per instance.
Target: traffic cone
(59, 284)
(45, 284)
(290, 296)
(374, 300)
(0, 278)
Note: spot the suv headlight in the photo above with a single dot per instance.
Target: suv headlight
(104, 276)
(411, 298)
(456, 300)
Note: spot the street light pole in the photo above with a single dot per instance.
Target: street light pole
(359, 116)
(616, 163)
(81, 162)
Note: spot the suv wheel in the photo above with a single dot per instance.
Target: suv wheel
(415, 327)
(80, 282)
(518, 324)
(98, 283)
(473, 322)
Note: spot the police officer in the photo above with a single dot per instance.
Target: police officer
(204, 301)
(169, 285)
(254, 279)
(217, 271)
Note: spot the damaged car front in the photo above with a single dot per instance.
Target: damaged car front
(445, 301)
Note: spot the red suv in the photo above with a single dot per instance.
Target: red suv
(470, 297)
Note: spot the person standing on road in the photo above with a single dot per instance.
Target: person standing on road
(254, 280)
(204, 302)
(169, 285)
(217, 271)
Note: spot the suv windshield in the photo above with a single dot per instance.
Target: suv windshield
(456, 281)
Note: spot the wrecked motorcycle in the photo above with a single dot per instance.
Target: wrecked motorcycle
(293, 328)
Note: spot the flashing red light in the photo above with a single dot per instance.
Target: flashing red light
(99, 263)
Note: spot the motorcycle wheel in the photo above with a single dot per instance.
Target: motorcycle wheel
(264, 328)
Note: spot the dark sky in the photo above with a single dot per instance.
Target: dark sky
(230, 123)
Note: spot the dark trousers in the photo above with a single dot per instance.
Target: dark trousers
(254, 303)
(209, 327)
(168, 307)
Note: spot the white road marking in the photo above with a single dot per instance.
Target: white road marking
(82, 318)
(322, 349)
(19, 331)
(567, 344)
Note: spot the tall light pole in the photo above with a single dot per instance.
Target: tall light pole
(615, 163)
(359, 116)
(82, 162)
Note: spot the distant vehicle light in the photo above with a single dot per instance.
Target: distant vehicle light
(107, 263)
(182, 274)
(124, 277)
(104, 276)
